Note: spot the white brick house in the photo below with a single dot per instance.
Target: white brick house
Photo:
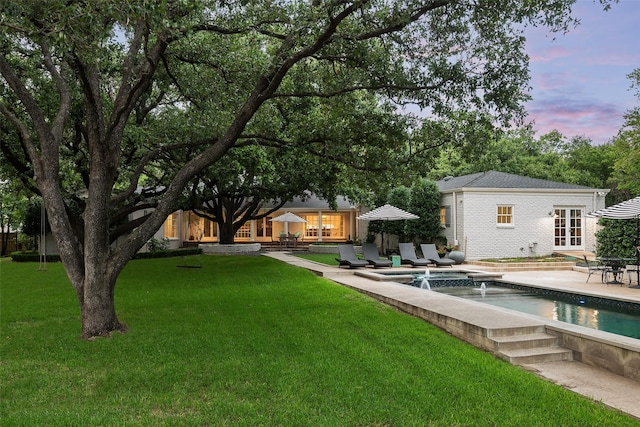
(496, 215)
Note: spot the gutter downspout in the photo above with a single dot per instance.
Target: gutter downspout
(454, 219)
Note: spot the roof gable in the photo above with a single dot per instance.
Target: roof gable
(494, 179)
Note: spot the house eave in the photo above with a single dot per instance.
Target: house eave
(527, 190)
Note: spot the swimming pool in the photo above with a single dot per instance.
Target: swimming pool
(595, 313)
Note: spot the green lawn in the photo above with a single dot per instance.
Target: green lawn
(329, 259)
(249, 341)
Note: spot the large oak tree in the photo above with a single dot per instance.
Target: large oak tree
(97, 92)
(356, 159)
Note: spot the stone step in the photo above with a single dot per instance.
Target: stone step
(523, 266)
(520, 331)
(536, 355)
(521, 342)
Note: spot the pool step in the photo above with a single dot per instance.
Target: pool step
(523, 266)
(523, 349)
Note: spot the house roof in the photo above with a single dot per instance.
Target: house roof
(494, 179)
(314, 203)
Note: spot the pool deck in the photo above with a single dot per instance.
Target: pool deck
(598, 384)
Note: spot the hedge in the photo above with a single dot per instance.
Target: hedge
(169, 253)
(32, 257)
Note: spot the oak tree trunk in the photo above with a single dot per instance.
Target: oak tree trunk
(227, 232)
(97, 305)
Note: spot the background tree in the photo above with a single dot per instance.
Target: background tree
(12, 208)
(399, 197)
(32, 222)
(97, 92)
(618, 237)
(424, 202)
(422, 198)
(626, 147)
(551, 156)
(588, 164)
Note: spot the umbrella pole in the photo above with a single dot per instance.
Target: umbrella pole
(637, 245)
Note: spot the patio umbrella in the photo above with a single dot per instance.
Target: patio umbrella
(629, 209)
(387, 213)
(287, 218)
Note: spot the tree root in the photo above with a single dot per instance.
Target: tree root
(105, 333)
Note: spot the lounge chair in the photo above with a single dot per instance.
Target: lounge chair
(430, 252)
(371, 255)
(348, 257)
(408, 256)
(595, 267)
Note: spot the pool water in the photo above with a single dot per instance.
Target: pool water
(524, 301)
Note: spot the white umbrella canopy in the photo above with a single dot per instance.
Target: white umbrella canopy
(387, 213)
(629, 209)
(288, 217)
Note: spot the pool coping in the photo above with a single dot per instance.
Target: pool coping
(408, 274)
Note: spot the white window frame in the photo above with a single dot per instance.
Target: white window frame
(502, 215)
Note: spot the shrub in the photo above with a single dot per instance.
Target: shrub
(616, 238)
(168, 253)
(32, 257)
(156, 245)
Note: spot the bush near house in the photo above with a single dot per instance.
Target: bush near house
(31, 257)
(167, 253)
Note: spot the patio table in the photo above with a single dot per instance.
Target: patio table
(616, 266)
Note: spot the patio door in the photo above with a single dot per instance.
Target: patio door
(568, 229)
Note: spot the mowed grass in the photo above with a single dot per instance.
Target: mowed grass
(328, 259)
(250, 341)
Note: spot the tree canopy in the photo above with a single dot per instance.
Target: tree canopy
(96, 94)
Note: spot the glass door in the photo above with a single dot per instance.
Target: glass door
(568, 229)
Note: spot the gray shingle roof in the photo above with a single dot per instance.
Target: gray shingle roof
(313, 202)
(494, 179)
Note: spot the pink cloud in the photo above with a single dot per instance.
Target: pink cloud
(597, 121)
(550, 81)
(616, 58)
(579, 82)
(550, 54)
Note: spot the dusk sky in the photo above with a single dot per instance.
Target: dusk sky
(579, 80)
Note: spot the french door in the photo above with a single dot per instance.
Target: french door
(568, 229)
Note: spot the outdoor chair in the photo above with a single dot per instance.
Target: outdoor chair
(284, 240)
(595, 267)
(430, 252)
(371, 255)
(632, 272)
(348, 257)
(408, 256)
